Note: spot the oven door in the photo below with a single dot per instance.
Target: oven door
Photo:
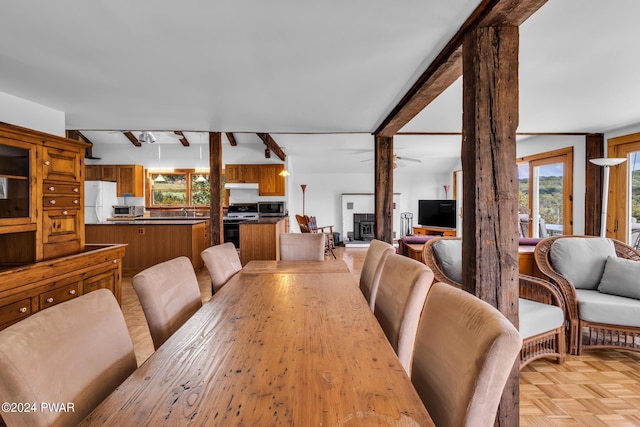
(232, 232)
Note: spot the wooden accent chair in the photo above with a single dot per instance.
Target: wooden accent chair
(169, 294)
(77, 351)
(598, 278)
(541, 306)
(404, 283)
(372, 269)
(464, 352)
(222, 262)
(302, 246)
(308, 224)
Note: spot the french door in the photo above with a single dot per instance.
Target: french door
(623, 218)
(545, 184)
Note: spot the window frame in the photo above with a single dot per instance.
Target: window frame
(189, 174)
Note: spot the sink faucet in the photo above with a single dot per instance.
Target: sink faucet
(184, 211)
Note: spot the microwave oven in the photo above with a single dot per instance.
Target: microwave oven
(271, 208)
(127, 211)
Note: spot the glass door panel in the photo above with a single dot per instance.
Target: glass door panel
(547, 199)
(633, 197)
(524, 209)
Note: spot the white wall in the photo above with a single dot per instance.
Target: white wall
(21, 112)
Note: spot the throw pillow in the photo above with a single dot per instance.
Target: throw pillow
(621, 277)
(581, 259)
(449, 255)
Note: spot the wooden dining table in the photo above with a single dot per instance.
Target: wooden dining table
(272, 349)
(301, 267)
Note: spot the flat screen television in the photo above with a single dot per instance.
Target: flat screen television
(437, 213)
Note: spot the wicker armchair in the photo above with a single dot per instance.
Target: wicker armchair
(582, 334)
(550, 343)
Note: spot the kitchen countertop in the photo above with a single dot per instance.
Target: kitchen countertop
(146, 221)
(267, 220)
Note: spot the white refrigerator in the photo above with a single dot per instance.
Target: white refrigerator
(99, 198)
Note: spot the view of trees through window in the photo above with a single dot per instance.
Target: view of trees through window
(184, 188)
(550, 193)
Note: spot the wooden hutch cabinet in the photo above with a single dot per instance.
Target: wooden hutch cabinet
(43, 257)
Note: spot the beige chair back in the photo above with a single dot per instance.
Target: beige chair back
(169, 295)
(302, 247)
(78, 351)
(464, 351)
(403, 287)
(222, 262)
(372, 268)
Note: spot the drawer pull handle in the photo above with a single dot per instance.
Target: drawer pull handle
(75, 190)
(65, 213)
(72, 292)
(52, 188)
(49, 299)
(76, 201)
(47, 163)
(115, 261)
(53, 202)
(23, 309)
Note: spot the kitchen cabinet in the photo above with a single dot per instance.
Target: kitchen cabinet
(130, 180)
(241, 174)
(101, 173)
(271, 183)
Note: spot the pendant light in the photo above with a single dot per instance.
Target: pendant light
(159, 177)
(200, 177)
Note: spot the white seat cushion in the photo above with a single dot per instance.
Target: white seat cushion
(536, 317)
(594, 306)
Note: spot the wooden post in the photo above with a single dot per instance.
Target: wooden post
(384, 188)
(594, 144)
(215, 180)
(490, 184)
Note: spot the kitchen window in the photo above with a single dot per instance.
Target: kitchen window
(180, 188)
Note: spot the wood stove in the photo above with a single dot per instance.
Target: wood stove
(363, 226)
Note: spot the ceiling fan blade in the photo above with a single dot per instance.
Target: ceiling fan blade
(409, 159)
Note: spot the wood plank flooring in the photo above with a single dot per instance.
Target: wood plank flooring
(600, 388)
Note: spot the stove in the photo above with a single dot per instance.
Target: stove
(237, 214)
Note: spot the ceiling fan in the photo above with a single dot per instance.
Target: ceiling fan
(397, 160)
(147, 137)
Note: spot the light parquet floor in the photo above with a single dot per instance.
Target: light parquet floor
(600, 388)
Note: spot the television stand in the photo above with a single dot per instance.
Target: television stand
(427, 230)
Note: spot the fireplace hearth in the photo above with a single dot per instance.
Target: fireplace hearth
(363, 226)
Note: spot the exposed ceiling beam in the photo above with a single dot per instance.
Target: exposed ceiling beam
(183, 139)
(447, 67)
(231, 138)
(133, 139)
(272, 145)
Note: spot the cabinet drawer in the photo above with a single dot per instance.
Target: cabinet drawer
(59, 295)
(51, 188)
(61, 202)
(105, 280)
(13, 312)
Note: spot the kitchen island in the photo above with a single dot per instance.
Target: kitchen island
(260, 238)
(151, 241)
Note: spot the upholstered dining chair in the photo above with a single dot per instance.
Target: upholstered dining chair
(308, 224)
(302, 247)
(464, 351)
(402, 289)
(169, 295)
(77, 351)
(377, 254)
(222, 262)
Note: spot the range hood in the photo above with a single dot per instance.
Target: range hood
(244, 186)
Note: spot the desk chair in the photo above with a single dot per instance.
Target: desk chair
(169, 295)
(222, 262)
(372, 269)
(301, 247)
(77, 351)
(403, 287)
(464, 351)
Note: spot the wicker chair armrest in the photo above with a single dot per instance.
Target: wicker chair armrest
(540, 290)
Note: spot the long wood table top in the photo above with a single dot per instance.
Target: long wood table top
(272, 350)
(301, 267)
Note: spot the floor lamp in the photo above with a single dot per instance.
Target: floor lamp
(304, 187)
(606, 163)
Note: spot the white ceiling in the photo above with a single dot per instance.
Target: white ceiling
(290, 67)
